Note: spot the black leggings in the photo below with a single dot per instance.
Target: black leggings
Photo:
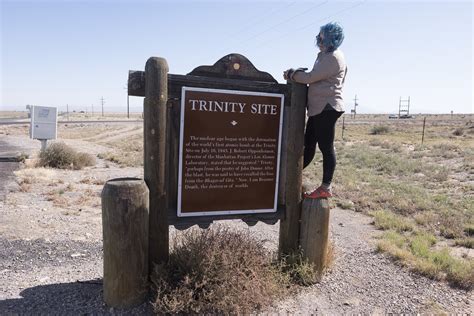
(320, 129)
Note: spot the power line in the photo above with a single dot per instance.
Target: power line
(260, 19)
(283, 22)
(311, 24)
(287, 20)
(330, 16)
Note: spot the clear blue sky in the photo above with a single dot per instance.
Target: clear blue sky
(75, 52)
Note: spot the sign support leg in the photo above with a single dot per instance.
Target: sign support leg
(156, 97)
(290, 224)
(43, 144)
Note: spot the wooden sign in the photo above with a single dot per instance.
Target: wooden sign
(230, 143)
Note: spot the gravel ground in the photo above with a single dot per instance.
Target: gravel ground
(365, 282)
(51, 257)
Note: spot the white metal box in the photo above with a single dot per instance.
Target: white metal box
(44, 122)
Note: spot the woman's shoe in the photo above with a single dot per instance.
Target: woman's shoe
(319, 193)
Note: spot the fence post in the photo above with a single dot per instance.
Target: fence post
(315, 232)
(125, 238)
(294, 131)
(343, 127)
(156, 97)
(423, 135)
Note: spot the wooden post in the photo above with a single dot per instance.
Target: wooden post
(294, 132)
(156, 97)
(125, 237)
(423, 134)
(315, 232)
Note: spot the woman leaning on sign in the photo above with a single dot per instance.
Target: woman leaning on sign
(325, 102)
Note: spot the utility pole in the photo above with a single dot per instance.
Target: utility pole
(67, 109)
(102, 101)
(354, 111)
(128, 101)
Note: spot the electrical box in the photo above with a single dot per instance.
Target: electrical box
(44, 122)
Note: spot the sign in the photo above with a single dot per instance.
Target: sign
(44, 121)
(229, 153)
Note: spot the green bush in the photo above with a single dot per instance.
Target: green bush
(387, 220)
(62, 156)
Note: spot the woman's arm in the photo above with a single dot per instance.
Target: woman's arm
(325, 67)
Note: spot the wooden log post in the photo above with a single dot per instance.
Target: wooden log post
(315, 232)
(293, 131)
(156, 97)
(125, 237)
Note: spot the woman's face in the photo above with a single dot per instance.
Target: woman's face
(320, 42)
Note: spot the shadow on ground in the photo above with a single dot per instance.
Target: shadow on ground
(66, 299)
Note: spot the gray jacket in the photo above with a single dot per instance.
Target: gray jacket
(325, 81)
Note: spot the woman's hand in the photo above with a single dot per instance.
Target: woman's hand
(287, 73)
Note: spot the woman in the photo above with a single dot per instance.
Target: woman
(325, 102)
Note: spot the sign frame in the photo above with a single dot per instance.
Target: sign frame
(274, 209)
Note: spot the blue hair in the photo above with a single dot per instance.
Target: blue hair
(333, 36)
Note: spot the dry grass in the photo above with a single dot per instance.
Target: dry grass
(387, 220)
(36, 175)
(217, 271)
(14, 114)
(57, 198)
(410, 189)
(85, 197)
(92, 180)
(62, 156)
(222, 271)
(127, 152)
(86, 131)
(416, 252)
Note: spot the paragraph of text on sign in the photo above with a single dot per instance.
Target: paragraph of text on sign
(228, 163)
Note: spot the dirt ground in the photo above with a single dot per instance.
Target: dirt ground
(51, 247)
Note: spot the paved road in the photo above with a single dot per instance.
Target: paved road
(17, 122)
(6, 167)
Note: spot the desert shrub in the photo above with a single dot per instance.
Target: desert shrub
(469, 230)
(451, 226)
(379, 130)
(217, 271)
(458, 131)
(62, 156)
(443, 147)
(467, 242)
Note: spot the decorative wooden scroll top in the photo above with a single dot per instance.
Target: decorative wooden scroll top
(232, 66)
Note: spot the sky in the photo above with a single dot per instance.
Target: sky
(73, 53)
